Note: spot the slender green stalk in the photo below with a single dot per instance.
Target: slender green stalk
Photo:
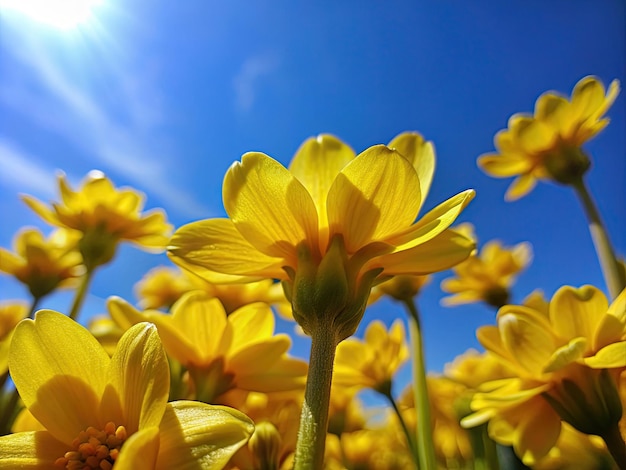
(314, 417)
(81, 293)
(613, 276)
(410, 438)
(33, 306)
(616, 446)
(425, 445)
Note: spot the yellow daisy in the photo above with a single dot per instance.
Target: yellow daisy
(329, 227)
(104, 413)
(547, 145)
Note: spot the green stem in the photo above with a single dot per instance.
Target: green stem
(81, 293)
(616, 446)
(33, 306)
(410, 439)
(314, 418)
(425, 445)
(613, 276)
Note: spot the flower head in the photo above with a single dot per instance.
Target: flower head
(104, 413)
(547, 145)
(43, 264)
(104, 215)
(329, 227)
(223, 353)
(487, 276)
(11, 313)
(565, 364)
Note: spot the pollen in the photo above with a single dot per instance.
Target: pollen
(94, 449)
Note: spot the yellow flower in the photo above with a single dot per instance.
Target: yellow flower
(101, 412)
(400, 288)
(565, 365)
(329, 227)
(238, 352)
(487, 276)
(473, 369)
(372, 362)
(162, 286)
(548, 144)
(104, 215)
(11, 313)
(43, 264)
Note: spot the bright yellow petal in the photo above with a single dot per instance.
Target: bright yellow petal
(376, 195)
(588, 98)
(504, 166)
(316, 164)
(442, 252)
(420, 153)
(30, 451)
(140, 450)
(554, 110)
(433, 223)
(259, 356)
(269, 206)
(567, 354)
(41, 209)
(286, 374)
(251, 323)
(520, 187)
(196, 436)
(216, 245)
(611, 356)
(577, 312)
(139, 378)
(9, 263)
(60, 371)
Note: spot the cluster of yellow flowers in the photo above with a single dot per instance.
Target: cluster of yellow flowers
(194, 375)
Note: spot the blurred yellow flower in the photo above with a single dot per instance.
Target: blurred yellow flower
(162, 286)
(101, 412)
(223, 353)
(328, 227)
(547, 145)
(473, 369)
(11, 313)
(104, 215)
(400, 288)
(43, 264)
(487, 276)
(371, 362)
(565, 365)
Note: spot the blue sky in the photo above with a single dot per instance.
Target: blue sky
(164, 96)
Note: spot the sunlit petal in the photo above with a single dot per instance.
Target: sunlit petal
(420, 153)
(269, 206)
(140, 450)
(60, 370)
(577, 312)
(30, 451)
(195, 436)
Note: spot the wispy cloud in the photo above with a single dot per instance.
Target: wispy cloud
(125, 135)
(23, 172)
(247, 80)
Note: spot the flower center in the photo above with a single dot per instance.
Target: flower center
(94, 448)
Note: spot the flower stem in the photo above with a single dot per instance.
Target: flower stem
(314, 418)
(33, 307)
(425, 446)
(410, 438)
(616, 446)
(613, 276)
(81, 293)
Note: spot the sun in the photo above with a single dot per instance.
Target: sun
(62, 14)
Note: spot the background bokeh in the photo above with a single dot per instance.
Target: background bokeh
(163, 96)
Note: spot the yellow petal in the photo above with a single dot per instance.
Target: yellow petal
(140, 450)
(139, 377)
(60, 370)
(577, 312)
(536, 431)
(520, 187)
(30, 451)
(269, 206)
(286, 374)
(588, 99)
(216, 245)
(433, 223)
(442, 252)
(259, 356)
(316, 164)
(196, 435)
(251, 323)
(611, 356)
(376, 195)
(421, 154)
(504, 166)
(567, 354)
(554, 110)
(41, 209)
